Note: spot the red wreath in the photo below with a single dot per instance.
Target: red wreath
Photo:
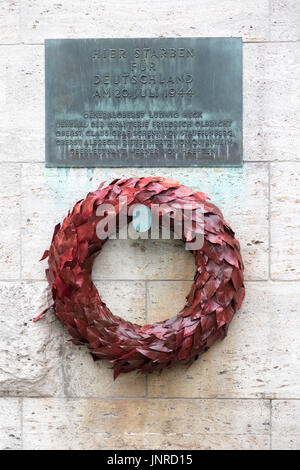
(217, 291)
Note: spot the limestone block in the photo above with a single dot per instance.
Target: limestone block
(9, 21)
(86, 378)
(30, 363)
(241, 194)
(285, 221)
(271, 101)
(10, 424)
(43, 19)
(22, 103)
(10, 221)
(285, 20)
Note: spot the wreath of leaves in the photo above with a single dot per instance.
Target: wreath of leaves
(216, 293)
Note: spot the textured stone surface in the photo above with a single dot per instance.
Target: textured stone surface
(10, 221)
(285, 221)
(86, 378)
(142, 424)
(260, 356)
(22, 103)
(9, 21)
(124, 298)
(285, 20)
(145, 259)
(166, 298)
(272, 101)
(47, 19)
(10, 424)
(286, 425)
(240, 193)
(47, 195)
(29, 352)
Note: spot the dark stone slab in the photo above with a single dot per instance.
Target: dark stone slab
(144, 102)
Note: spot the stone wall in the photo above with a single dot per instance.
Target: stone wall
(244, 393)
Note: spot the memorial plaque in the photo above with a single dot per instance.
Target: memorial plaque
(144, 102)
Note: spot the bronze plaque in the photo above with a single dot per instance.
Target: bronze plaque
(144, 102)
